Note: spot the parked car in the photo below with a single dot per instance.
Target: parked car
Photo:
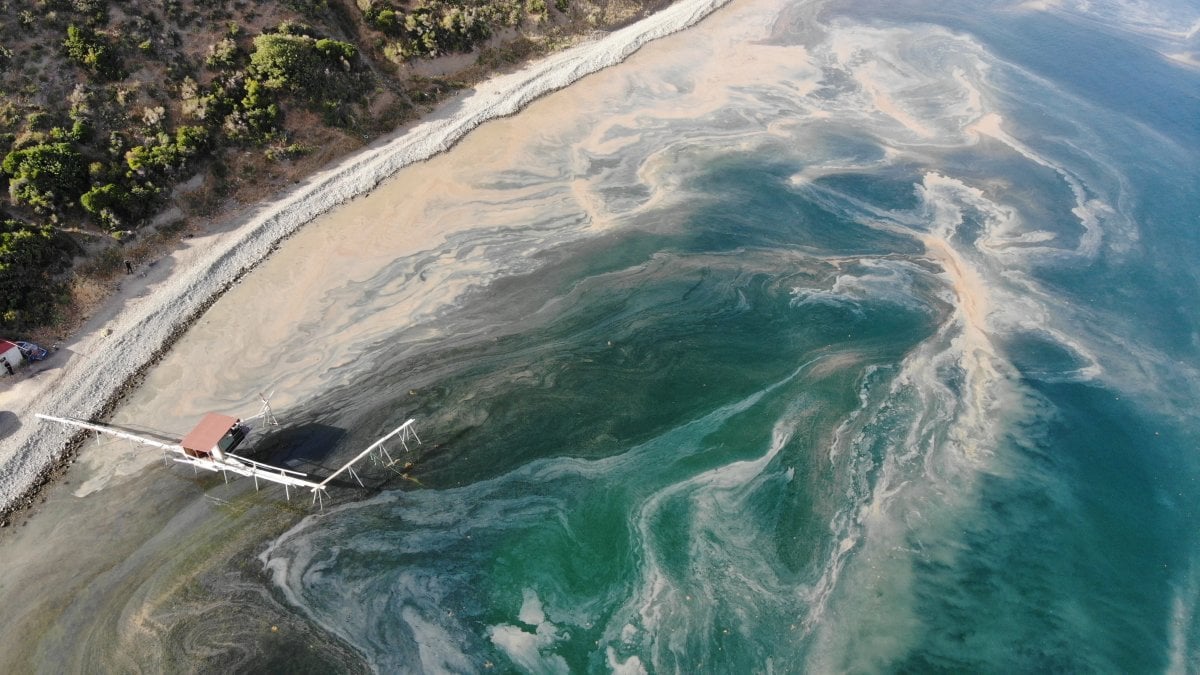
(31, 352)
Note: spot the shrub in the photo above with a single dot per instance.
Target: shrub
(46, 175)
(92, 51)
(295, 28)
(299, 64)
(29, 258)
(81, 131)
(387, 20)
(108, 203)
(335, 51)
(93, 11)
(536, 7)
(255, 117)
(191, 141)
(39, 120)
(321, 72)
(167, 156)
(430, 30)
(159, 157)
(223, 55)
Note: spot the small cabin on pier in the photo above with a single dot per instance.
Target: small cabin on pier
(214, 436)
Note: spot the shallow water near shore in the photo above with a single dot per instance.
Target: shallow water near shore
(822, 337)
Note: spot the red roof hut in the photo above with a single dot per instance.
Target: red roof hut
(214, 435)
(11, 354)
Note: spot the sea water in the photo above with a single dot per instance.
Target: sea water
(824, 337)
(884, 360)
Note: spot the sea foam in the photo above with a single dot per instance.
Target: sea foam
(88, 381)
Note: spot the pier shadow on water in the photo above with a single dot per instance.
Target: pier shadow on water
(307, 447)
(315, 449)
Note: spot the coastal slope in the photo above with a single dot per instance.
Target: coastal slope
(95, 373)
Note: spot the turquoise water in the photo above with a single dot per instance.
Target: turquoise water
(761, 429)
(882, 360)
(822, 337)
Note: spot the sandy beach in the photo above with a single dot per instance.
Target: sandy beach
(97, 366)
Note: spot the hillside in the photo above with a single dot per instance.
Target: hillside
(126, 125)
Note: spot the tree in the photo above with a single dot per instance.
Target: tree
(92, 51)
(29, 258)
(46, 175)
(320, 72)
(430, 30)
(222, 55)
(191, 140)
(299, 64)
(109, 203)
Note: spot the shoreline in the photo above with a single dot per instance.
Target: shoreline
(93, 384)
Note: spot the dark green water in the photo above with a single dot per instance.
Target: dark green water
(882, 360)
(765, 429)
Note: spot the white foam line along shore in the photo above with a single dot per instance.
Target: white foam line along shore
(83, 386)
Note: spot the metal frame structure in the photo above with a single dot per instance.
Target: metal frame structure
(227, 462)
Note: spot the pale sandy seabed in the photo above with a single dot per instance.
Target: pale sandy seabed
(296, 325)
(576, 163)
(269, 333)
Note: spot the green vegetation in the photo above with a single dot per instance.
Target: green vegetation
(93, 51)
(45, 176)
(222, 55)
(103, 114)
(110, 204)
(431, 28)
(300, 63)
(321, 72)
(435, 29)
(29, 259)
(165, 156)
